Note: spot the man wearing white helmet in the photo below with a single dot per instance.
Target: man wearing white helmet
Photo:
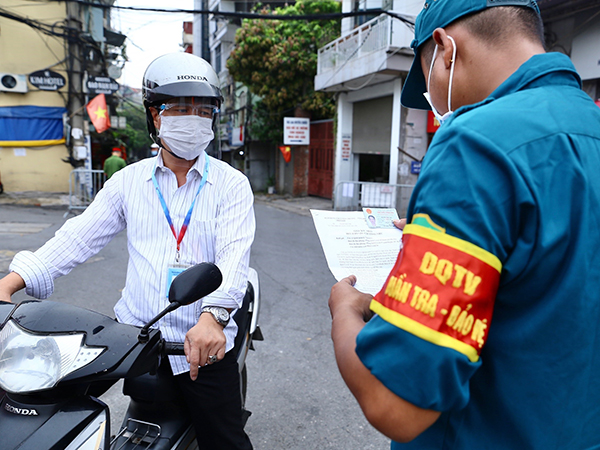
(181, 207)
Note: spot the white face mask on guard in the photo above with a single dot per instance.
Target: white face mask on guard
(186, 136)
(438, 116)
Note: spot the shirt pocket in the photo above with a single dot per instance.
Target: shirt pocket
(198, 244)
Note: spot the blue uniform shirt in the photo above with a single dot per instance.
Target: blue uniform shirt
(515, 178)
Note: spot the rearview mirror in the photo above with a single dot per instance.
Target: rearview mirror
(194, 283)
(190, 285)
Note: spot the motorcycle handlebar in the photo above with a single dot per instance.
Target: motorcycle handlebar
(173, 348)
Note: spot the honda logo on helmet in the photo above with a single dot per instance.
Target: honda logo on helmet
(191, 77)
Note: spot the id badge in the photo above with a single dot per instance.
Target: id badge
(172, 271)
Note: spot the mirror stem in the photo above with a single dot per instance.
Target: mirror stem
(144, 335)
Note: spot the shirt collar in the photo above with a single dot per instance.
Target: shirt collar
(543, 69)
(198, 166)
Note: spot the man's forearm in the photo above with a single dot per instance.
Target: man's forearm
(10, 284)
(345, 327)
(390, 414)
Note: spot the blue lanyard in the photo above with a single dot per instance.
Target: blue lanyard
(188, 216)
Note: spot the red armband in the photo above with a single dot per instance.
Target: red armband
(441, 289)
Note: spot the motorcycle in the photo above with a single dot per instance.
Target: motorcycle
(57, 359)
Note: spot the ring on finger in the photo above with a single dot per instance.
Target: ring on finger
(212, 359)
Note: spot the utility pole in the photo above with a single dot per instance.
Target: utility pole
(201, 46)
(75, 74)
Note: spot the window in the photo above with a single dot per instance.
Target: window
(369, 5)
(217, 62)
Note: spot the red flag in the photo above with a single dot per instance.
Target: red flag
(432, 123)
(287, 152)
(96, 109)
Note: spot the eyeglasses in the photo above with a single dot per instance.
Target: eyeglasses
(188, 108)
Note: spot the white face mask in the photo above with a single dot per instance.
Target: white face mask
(186, 136)
(438, 116)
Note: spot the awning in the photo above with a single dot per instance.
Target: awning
(114, 37)
(31, 126)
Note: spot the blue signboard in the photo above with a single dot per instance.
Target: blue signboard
(415, 167)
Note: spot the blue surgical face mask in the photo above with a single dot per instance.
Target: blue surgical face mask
(438, 116)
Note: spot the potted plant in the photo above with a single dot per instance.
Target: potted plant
(270, 185)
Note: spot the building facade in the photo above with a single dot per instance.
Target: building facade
(379, 141)
(214, 40)
(49, 52)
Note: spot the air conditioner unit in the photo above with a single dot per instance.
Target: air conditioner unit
(11, 82)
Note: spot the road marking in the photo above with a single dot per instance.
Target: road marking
(22, 227)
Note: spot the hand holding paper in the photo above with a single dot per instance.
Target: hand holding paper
(344, 295)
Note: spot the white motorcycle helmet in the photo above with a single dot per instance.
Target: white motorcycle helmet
(180, 75)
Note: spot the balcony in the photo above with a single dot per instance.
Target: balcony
(375, 52)
(225, 32)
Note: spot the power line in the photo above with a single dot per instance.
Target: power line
(35, 24)
(246, 15)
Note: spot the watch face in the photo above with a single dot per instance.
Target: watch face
(221, 314)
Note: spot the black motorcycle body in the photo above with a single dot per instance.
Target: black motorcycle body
(57, 359)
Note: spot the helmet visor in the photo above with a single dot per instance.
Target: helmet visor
(189, 106)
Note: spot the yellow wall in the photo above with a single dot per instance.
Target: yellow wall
(41, 169)
(24, 50)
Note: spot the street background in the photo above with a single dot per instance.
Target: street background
(297, 397)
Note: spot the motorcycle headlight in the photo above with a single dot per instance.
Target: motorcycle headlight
(33, 362)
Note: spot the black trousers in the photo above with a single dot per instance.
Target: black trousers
(215, 405)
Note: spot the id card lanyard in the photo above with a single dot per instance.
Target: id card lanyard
(188, 216)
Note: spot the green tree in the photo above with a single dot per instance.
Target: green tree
(277, 61)
(135, 136)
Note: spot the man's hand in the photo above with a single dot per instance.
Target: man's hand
(10, 284)
(344, 297)
(204, 339)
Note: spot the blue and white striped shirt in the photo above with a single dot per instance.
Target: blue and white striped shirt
(221, 231)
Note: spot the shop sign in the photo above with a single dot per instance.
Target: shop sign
(47, 80)
(102, 85)
(346, 147)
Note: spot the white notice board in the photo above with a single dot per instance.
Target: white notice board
(296, 131)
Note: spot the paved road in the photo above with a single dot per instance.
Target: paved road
(295, 393)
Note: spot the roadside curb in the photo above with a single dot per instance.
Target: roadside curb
(297, 205)
(35, 198)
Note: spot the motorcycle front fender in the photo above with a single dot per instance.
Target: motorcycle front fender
(57, 426)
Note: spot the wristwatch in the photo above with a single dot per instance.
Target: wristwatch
(220, 314)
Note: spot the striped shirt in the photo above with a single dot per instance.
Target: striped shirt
(221, 231)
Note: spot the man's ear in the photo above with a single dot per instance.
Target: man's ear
(155, 117)
(446, 46)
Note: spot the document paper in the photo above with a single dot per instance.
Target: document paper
(352, 248)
